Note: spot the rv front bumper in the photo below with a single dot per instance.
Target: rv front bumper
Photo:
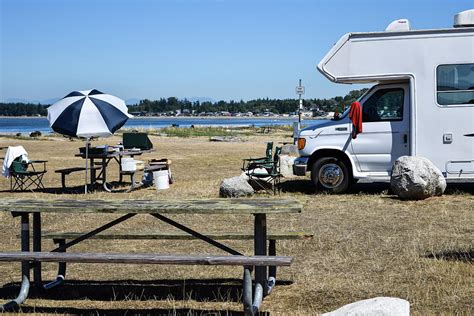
(300, 166)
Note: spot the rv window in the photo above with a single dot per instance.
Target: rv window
(384, 105)
(455, 84)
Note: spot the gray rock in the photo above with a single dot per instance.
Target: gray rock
(416, 178)
(35, 134)
(244, 176)
(379, 306)
(286, 165)
(290, 150)
(235, 187)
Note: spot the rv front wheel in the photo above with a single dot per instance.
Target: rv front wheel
(330, 174)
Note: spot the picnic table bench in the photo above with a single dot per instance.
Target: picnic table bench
(266, 129)
(262, 264)
(67, 171)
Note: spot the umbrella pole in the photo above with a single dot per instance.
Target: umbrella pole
(87, 163)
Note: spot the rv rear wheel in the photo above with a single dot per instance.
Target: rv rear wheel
(331, 174)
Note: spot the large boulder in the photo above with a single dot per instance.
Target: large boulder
(416, 178)
(286, 165)
(379, 306)
(235, 187)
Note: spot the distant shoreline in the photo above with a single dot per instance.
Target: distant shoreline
(193, 117)
(28, 124)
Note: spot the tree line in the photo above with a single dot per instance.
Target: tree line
(276, 106)
(23, 109)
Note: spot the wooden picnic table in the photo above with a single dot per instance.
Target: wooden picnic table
(265, 266)
(106, 158)
(266, 129)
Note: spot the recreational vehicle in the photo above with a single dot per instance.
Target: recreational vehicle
(422, 104)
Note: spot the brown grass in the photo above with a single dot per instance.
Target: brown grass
(367, 243)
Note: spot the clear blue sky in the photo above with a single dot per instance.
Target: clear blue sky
(218, 49)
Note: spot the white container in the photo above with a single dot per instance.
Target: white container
(129, 164)
(161, 179)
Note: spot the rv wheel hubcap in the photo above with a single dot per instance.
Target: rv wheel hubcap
(330, 175)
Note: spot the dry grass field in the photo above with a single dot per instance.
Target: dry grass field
(367, 243)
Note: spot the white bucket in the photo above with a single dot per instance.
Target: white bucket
(161, 179)
(129, 164)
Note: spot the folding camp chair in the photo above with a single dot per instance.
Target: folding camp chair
(266, 174)
(249, 163)
(21, 178)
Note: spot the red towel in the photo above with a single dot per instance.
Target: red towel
(355, 114)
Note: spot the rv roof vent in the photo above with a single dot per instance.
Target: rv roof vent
(398, 26)
(464, 19)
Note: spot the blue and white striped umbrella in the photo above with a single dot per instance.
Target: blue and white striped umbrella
(88, 113)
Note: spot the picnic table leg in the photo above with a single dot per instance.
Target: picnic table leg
(93, 175)
(120, 170)
(63, 180)
(93, 178)
(37, 248)
(61, 276)
(104, 175)
(25, 266)
(273, 269)
(247, 292)
(260, 249)
(134, 185)
(37, 265)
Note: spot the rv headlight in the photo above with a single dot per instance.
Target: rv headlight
(301, 143)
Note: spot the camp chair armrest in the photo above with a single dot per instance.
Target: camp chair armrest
(264, 164)
(253, 163)
(32, 162)
(253, 159)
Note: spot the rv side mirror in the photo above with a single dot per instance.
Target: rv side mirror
(336, 115)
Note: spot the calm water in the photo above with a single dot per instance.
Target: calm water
(27, 125)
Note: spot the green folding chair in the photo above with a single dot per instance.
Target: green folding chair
(23, 178)
(266, 174)
(249, 163)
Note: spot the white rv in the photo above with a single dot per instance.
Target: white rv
(422, 104)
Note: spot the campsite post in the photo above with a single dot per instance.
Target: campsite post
(300, 91)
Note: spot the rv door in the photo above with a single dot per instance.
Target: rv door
(385, 132)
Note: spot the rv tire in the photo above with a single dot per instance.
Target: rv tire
(331, 174)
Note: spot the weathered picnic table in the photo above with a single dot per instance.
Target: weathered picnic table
(265, 265)
(106, 158)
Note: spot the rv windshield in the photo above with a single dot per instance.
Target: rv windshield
(346, 111)
(341, 116)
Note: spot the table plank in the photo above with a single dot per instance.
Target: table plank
(136, 258)
(177, 236)
(191, 206)
(113, 154)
